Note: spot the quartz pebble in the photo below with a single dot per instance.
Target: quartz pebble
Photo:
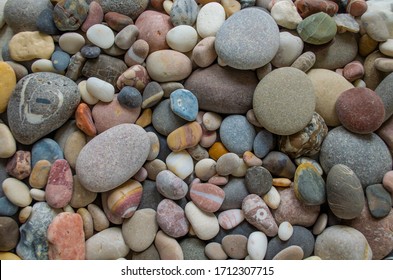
(285, 231)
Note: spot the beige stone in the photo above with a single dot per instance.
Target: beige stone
(168, 247)
(7, 142)
(29, 45)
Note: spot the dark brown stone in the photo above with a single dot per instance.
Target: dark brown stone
(309, 7)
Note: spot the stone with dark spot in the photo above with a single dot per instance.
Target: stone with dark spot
(279, 165)
(258, 180)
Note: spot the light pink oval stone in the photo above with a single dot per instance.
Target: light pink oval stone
(230, 218)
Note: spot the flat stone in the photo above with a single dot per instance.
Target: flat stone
(193, 249)
(279, 165)
(47, 99)
(343, 147)
(282, 114)
(379, 200)
(223, 89)
(235, 191)
(207, 197)
(294, 211)
(329, 244)
(66, 238)
(170, 185)
(33, 244)
(108, 244)
(360, 110)
(92, 165)
(184, 137)
(290, 253)
(184, 104)
(238, 30)
(9, 233)
(204, 224)
(309, 186)
(258, 180)
(214, 251)
(171, 219)
(235, 246)
(258, 214)
(59, 188)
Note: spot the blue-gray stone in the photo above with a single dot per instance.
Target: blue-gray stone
(150, 196)
(164, 120)
(90, 51)
(235, 191)
(184, 104)
(237, 134)
(264, 142)
(258, 180)
(130, 97)
(184, 12)
(7, 208)
(301, 237)
(379, 201)
(385, 91)
(45, 23)
(46, 148)
(60, 60)
(33, 243)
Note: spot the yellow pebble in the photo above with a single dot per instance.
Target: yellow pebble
(230, 7)
(145, 118)
(217, 150)
(7, 84)
(29, 45)
(8, 256)
(281, 182)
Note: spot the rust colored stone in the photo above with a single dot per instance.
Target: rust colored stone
(58, 191)
(309, 7)
(84, 120)
(356, 7)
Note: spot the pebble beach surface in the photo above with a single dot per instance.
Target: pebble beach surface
(196, 129)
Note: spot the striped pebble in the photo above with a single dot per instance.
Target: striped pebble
(207, 197)
(230, 218)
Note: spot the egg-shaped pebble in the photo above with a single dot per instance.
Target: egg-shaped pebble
(257, 245)
(85, 95)
(100, 89)
(17, 192)
(285, 231)
(204, 224)
(180, 163)
(60, 60)
(182, 38)
(71, 42)
(43, 65)
(272, 198)
(317, 29)
(210, 18)
(24, 214)
(126, 37)
(205, 169)
(101, 36)
(204, 53)
(8, 144)
(214, 251)
(171, 218)
(206, 196)
(170, 185)
(320, 224)
(227, 164)
(137, 53)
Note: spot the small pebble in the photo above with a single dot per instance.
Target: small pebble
(285, 231)
(101, 36)
(71, 42)
(257, 245)
(17, 192)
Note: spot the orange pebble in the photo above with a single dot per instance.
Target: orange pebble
(145, 118)
(84, 120)
(217, 150)
(281, 182)
(251, 160)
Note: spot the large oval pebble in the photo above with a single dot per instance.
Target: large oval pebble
(108, 244)
(204, 224)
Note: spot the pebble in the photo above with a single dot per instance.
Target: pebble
(317, 29)
(171, 186)
(90, 51)
(154, 167)
(9, 233)
(84, 121)
(81, 197)
(214, 251)
(384, 64)
(184, 12)
(180, 163)
(279, 165)
(33, 243)
(46, 149)
(108, 244)
(140, 230)
(45, 22)
(36, 120)
(228, 164)
(285, 14)
(137, 53)
(37, 195)
(154, 146)
(171, 219)
(71, 42)
(272, 198)
(100, 220)
(253, 56)
(205, 169)
(17, 192)
(307, 8)
(184, 104)
(290, 253)
(126, 144)
(204, 53)
(7, 82)
(59, 187)
(343, 147)
(19, 70)
(309, 185)
(217, 150)
(135, 76)
(290, 48)
(384, 91)
(264, 142)
(153, 27)
(375, 24)
(251, 160)
(24, 214)
(231, 87)
(235, 246)
(345, 202)
(294, 211)
(257, 213)
(60, 60)
(281, 114)
(379, 200)
(235, 191)
(328, 87)
(257, 245)
(258, 180)
(281, 182)
(107, 115)
(7, 208)
(88, 226)
(320, 224)
(231, 218)
(210, 19)
(69, 15)
(360, 110)
(353, 71)
(168, 247)
(301, 237)
(95, 15)
(182, 38)
(145, 118)
(207, 197)
(285, 231)
(327, 244)
(204, 224)
(387, 182)
(19, 165)
(193, 249)
(305, 61)
(117, 21)
(66, 238)
(75, 142)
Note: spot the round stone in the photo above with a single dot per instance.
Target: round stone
(60, 60)
(232, 39)
(235, 246)
(264, 142)
(101, 36)
(317, 29)
(342, 243)
(237, 134)
(126, 149)
(130, 97)
(343, 147)
(285, 231)
(182, 38)
(71, 42)
(214, 251)
(284, 101)
(258, 180)
(108, 244)
(360, 110)
(9, 234)
(309, 186)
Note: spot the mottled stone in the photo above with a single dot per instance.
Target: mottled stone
(306, 142)
(170, 185)
(238, 30)
(135, 76)
(33, 243)
(28, 45)
(131, 9)
(19, 165)
(41, 103)
(69, 15)
(66, 238)
(58, 190)
(293, 210)
(343, 147)
(127, 147)
(284, 101)
(342, 243)
(117, 21)
(184, 12)
(9, 234)
(235, 246)
(360, 110)
(279, 165)
(223, 89)
(171, 218)
(207, 197)
(309, 186)
(379, 201)
(258, 180)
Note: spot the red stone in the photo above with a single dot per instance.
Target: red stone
(309, 7)
(353, 71)
(84, 120)
(207, 197)
(117, 21)
(356, 7)
(360, 110)
(94, 16)
(19, 166)
(58, 191)
(66, 238)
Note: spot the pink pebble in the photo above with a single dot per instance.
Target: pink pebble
(58, 191)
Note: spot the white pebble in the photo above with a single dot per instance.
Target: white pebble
(387, 47)
(85, 95)
(210, 18)
(37, 194)
(100, 89)
(211, 121)
(285, 231)
(205, 169)
(17, 192)
(44, 65)
(101, 36)
(257, 245)
(182, 38)
(272, 198)
(286, 15)
(180, 163)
